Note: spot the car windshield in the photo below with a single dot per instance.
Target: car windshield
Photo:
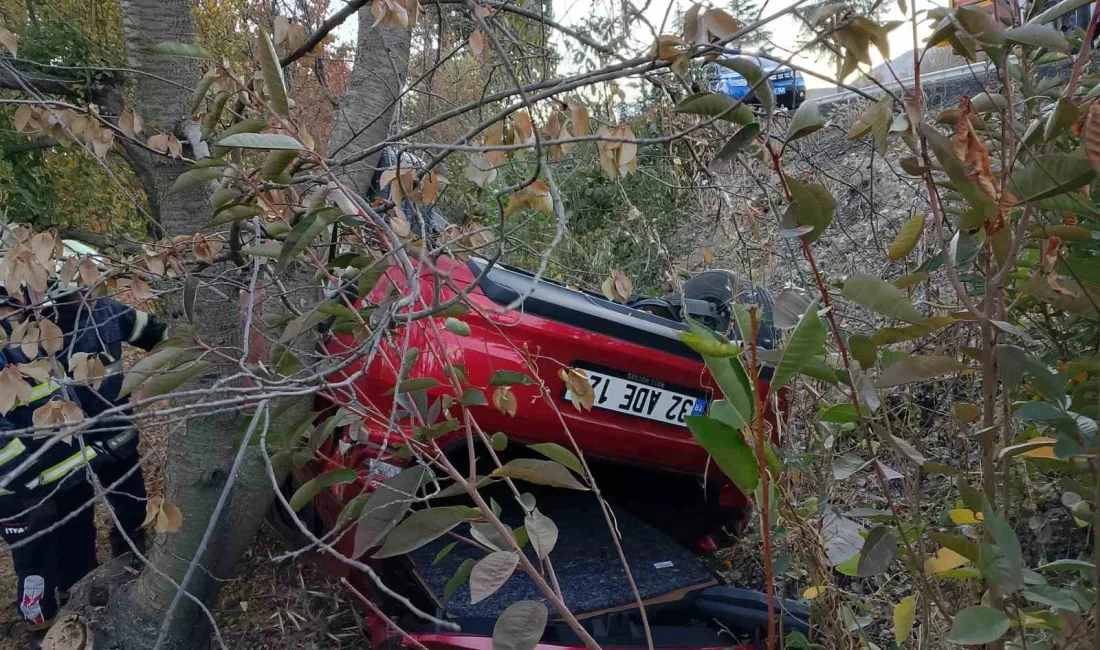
(766, 64)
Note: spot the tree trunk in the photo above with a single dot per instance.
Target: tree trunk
(365, 113)
(201, 449)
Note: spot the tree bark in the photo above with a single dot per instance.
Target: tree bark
(366, 111)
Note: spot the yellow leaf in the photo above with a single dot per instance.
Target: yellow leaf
(904, 614)
(50, 336)
(907, 238)
(945, 560)
(618, 286)
(578, 116)
(505, 401)
(965, 412)
(525, 130)
(1045, 451)
(720, 24)
(814, 592)
(494, 137)
(965, 517)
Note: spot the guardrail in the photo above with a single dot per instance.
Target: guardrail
(979, 69)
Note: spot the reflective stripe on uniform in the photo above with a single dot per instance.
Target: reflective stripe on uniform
(141, 319)
(11, 450)
(41, 391)
(62, 469)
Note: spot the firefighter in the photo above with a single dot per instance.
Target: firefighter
(41, 503)
(100, 327)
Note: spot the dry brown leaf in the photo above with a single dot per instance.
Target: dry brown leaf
(22, 119)
(38, 370)
(158, 142)
(175, 148)
(720, 24)
(140, 290)
(694, 31)
(481, 12)
(494, 137)
(281, 30)
(10, 41)
(524, 128)
(480, 171)
(535, 196)
(580, 388)
(389, 14)
(205, 248)
(668, 47)
(618, 287)
(103, 141)
(429, 188)
(163, 516)
(88, 272)
(504, 400)
(578, 118)
(479, 43)
(56, 413)
(26, 336)
(13, 388)
(155, 264)
(51, 338)
(1049, 264)
(130, 122)
(1092, 135)
(87, 368)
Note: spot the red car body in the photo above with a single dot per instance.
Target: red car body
(534, 344)
(555, 328)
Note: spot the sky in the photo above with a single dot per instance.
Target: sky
(785, 30)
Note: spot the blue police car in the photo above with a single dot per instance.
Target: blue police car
(788, 84)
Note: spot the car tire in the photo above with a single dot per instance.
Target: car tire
(724, 288)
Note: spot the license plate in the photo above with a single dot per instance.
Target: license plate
(780, 91)
(643, 397)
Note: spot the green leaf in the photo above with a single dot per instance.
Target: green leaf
(807, 340)
(244, 126)
(1052, 596)
(276, 163)
(977, 625)
(165, 382)
(1058, 10)
(473, 397)
(729, 450)
(313, 487)
(840, 414)
(709, 346)
(876, 119)
(509, 378)
(274, 84)
(195, 177)
(499, 441)
(261, 141)
(236, 213)
(878, 552)
(386, 506)
(730, 376)
(444, 552)
(912, 369)
(1067, 565)
(1050, 175)
(186, 50)
(813, 206)
(1037, 35)
(736, 143)
(907, 238)
(520, 627)
(758, 81)
(880, 296)
(863, 349)
(150, 365)
(1063, 116)
(419, 528)
(305, 231)
(415, 384)
(436, 430)
(988, 102)
(1008, 559)
(716, 105)
(490, 573)
(905, 612)
(200, 92)
(455, 326)
(806, 120)
(458, 579)
(213, 116)
(556, 452)
(982, 206)
(541, 472)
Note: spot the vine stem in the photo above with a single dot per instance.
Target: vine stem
(765, 481)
